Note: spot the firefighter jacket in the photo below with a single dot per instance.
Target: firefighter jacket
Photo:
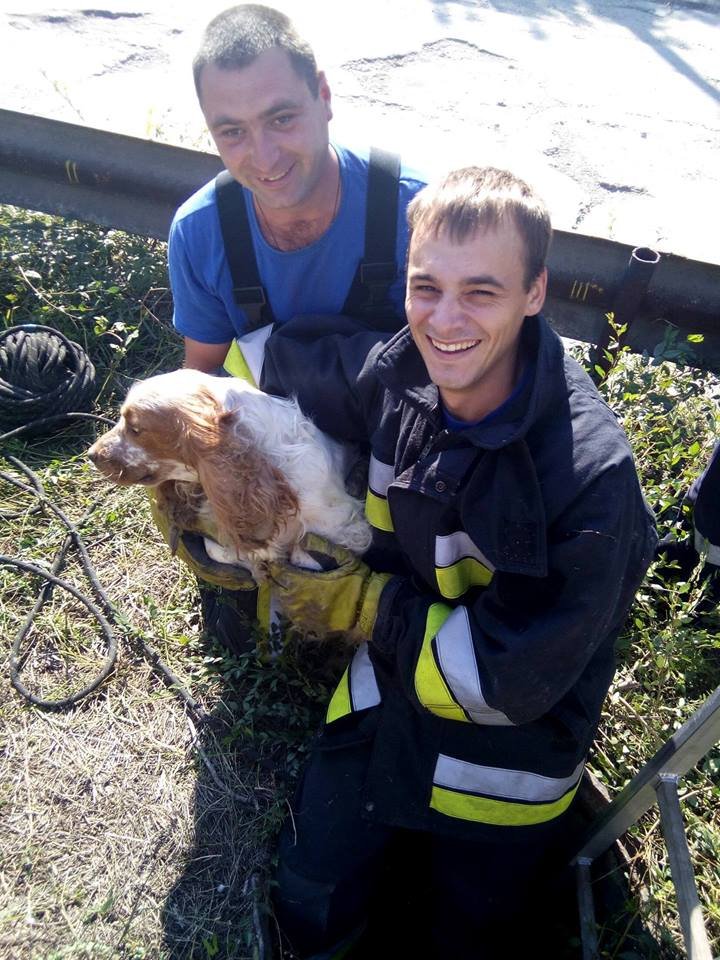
(517, 546)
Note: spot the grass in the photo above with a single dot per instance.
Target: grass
(129, 831)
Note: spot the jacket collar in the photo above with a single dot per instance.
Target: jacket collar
(402, 370)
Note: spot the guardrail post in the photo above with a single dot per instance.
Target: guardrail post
(656, 782)
(586, 905)
(691, 921)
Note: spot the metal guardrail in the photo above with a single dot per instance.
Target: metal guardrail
(136, 185)
(105, 178)
(657, 783)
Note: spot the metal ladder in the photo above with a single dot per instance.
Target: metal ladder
(657, 782)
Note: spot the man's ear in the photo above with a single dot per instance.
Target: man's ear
(324, 93)
(536, 294)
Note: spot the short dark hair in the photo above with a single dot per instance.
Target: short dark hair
(478, 198)
(237, 36)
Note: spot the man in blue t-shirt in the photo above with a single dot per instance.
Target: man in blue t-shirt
(267, 108)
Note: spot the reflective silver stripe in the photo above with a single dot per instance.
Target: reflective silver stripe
(454, 546)
(364, 691)
(252, 346)
(380, 476)
(711, 550)
(497, 782)
(456, 659)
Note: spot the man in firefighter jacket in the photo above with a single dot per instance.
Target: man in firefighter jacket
(510, 536)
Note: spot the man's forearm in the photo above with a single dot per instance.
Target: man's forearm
(207, 357)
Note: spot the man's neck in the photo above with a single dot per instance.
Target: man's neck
(294, 227)
(492, 392)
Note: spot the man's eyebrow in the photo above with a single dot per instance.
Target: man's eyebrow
(223, 121)
(483, 280)
(279, 107)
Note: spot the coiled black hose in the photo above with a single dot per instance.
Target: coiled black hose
(42, 373)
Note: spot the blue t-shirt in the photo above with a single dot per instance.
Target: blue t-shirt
(314, 279)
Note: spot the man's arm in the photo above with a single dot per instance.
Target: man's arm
(207, 357)
(200, 311)
(511, 654)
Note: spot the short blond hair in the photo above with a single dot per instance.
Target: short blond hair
(481, 198)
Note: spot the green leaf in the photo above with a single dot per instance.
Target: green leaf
(211, 945)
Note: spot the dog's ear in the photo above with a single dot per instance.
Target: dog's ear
(198, 426)
(250, 497)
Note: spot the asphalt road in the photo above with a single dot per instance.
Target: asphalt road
(611, 109)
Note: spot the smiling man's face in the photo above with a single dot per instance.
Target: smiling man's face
(465, 304)
(270, 131)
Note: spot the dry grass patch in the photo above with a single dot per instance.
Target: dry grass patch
(129, 831)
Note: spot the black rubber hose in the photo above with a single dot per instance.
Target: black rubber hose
(42, 373)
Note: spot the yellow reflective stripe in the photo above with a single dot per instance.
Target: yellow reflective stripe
(457, 662)
(236, 365)
(499, 813)
(246, 355)
(454, 580)
(430, 687)
(377, 510)
(340, 704)
(357, 690)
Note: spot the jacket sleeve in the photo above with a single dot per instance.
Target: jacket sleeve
(512, 653)
(326, 362)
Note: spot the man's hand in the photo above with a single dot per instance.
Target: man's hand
(342, 596)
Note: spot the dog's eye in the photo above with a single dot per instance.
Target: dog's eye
(135, 430)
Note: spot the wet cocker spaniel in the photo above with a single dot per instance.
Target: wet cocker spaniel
(222, 454)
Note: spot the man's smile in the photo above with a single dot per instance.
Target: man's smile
(278, 178)
(456, 346)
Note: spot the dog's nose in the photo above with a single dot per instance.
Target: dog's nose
(93, 453)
